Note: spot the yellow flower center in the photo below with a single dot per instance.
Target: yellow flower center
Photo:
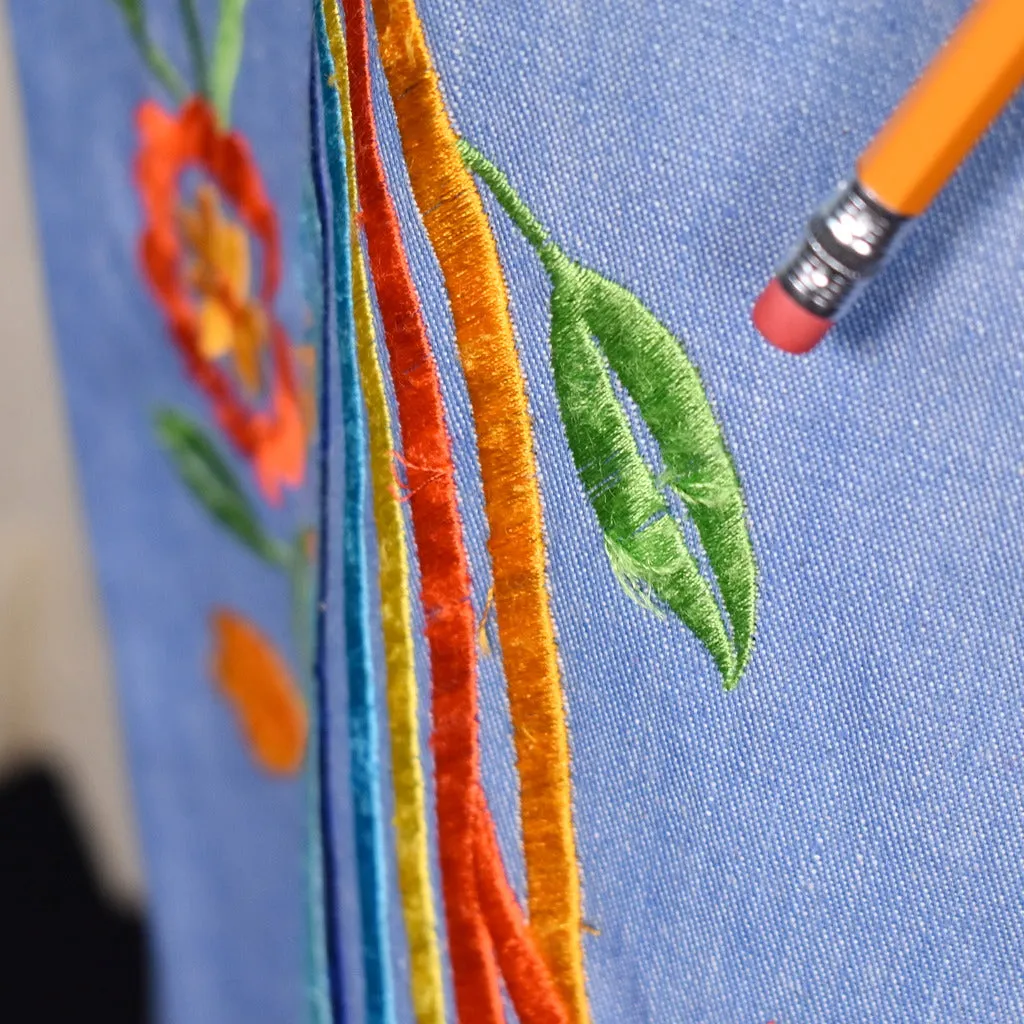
(231, 321)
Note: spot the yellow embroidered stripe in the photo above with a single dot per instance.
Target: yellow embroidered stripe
(410, 817)
(460, 234)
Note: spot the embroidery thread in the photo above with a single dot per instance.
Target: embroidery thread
(322, 974)
(362, 718)
(325, 930)
(437, 528)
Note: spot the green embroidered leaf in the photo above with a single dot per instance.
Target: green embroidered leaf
(208, 476)
(598, 327)
(633, 513)
(227, 56)
(668, 391)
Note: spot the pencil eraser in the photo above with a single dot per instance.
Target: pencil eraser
(785, 323)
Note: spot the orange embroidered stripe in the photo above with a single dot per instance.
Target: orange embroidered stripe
(396, 615)
(459, 232)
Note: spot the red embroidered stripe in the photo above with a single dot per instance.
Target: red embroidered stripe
(529, 983)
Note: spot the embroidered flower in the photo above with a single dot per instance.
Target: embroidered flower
(198, 261)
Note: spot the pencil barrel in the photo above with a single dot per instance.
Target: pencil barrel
(949, 108)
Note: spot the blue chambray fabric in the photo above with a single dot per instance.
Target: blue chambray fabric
(841, 839)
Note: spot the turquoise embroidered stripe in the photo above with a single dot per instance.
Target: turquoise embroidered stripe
(362, 706)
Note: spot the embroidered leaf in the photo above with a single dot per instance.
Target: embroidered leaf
(667, 390)
(629, 504)
(208, 476)
(227, 56)
(269, 704)
(598, 327)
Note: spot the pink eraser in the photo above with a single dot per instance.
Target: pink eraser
(785, 323)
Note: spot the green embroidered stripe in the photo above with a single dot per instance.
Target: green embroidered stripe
(598, 327)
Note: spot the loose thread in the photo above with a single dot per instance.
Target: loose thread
(460, 234)
(411, 840)
(362, 709)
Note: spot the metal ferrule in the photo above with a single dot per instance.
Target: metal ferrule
(846, 243)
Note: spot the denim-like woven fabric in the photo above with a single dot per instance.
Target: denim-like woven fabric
(840, 840)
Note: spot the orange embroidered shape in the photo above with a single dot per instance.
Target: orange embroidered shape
(255, 679)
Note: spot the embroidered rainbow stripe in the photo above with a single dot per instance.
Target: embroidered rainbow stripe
(444, 572)
(362, 706)
(411, 839)
(324, 952)
(462, 813)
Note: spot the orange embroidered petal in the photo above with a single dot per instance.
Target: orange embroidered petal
(280, 455)
(216, 329)
(256, 680)
(250, 334)
(233, 259)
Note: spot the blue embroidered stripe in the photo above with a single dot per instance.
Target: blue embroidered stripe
(321, 866)
(362, 710)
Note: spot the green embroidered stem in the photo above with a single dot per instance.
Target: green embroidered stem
(196, 50)
(158, 64)
(227, 56)
(301, 584)
(506, 195)
(597, 328)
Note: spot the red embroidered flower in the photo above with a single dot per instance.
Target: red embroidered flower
(197, 263)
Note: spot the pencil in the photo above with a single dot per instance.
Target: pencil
(907, 164)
